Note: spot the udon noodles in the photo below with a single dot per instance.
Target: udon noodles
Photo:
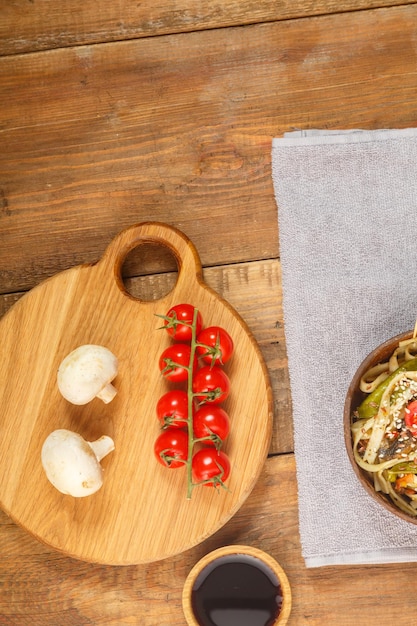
(384, 426)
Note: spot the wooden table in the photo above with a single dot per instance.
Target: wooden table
(114, 113)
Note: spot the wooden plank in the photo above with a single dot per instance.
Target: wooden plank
(28, 26)
(262, 313)
(42, 588)
(97, 138)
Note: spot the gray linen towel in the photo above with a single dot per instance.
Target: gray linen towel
(347, 213)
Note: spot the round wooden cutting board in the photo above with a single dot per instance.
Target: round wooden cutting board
(141, 513)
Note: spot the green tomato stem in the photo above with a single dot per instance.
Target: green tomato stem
(190, 395)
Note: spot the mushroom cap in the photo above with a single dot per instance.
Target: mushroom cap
(85, 371)
(70, 464)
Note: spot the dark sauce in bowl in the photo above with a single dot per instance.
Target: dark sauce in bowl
(236, 590)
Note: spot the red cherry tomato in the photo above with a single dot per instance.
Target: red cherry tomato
(411, 417)
(182, 313)
(174, 362)
(217, 345)
(211, 421)
(172, 409)
(171, 447)
(211, 384)
(209, 464)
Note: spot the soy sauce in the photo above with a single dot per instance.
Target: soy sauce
(236, 590)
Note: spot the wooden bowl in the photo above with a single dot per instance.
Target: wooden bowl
(264, 559)
(354, 398)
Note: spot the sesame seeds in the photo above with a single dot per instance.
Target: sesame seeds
(398, 441)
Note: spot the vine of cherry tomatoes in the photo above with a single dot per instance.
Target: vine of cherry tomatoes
(193, 423)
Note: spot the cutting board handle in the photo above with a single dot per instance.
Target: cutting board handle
(186, 255)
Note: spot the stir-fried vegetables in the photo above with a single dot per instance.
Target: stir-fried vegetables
(384, 427)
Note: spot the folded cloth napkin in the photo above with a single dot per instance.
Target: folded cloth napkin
(347, 213)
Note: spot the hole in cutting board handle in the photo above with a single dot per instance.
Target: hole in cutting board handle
(149, 271)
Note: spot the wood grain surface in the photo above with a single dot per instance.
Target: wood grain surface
(96, 138)
(142, 512)
(28, 25)
(41, 587)
(160, 111)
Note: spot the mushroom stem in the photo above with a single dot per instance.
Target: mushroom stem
(107, 393)
(102, 446)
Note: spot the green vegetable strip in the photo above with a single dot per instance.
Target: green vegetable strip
(381, 421)
(409, 467)
(370, 405)
(190, 395)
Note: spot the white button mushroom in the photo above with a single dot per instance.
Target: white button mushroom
(72, 464)
(86, 373)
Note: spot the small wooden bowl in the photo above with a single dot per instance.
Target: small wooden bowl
(231, 550)
(354, 398)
